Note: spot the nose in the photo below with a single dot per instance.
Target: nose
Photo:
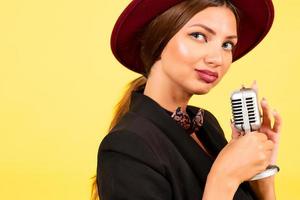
(214, 56)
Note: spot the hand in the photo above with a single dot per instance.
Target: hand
(271, 131)
(243, 157)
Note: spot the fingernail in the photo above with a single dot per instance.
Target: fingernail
(274, 112)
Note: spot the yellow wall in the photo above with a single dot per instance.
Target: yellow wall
(56, 66)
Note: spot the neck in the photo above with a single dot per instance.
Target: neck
(165, 92)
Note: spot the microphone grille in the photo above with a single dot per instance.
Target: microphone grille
(237, 111)
(245, 110)
(251, 109)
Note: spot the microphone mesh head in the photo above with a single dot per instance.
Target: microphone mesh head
(237, 111)
(245, 110)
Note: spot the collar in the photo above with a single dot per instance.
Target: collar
(187, 121)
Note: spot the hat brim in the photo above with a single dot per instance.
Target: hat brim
(255, 20)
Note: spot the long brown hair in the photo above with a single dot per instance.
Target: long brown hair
(153, 40)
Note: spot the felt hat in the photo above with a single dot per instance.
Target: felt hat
(255, 20)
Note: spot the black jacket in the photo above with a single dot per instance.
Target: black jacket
(147, 155)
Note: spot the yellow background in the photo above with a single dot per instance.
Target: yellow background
(59, 83)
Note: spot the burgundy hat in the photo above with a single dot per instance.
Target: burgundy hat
(255, 20)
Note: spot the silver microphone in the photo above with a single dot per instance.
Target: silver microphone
(247, 118)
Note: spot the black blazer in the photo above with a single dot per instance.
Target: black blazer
(147, 155)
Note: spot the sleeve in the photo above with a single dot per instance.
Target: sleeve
(128, 169)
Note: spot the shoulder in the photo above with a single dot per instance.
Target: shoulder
(135, 131)
(136, 138)
(123, 141)
(127, 143)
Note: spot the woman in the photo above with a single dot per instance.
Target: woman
(158, 146)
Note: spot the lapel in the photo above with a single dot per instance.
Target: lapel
(197, 159)
(211, 134)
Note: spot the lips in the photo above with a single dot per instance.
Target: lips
(207, 76)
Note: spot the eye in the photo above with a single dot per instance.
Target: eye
(228, 46)
(199, 36)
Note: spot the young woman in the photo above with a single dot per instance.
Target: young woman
(158, 146)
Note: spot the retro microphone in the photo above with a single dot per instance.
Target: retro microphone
(247, 118)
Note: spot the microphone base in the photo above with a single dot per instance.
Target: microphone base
(270, 171)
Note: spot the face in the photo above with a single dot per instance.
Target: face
(200, 53)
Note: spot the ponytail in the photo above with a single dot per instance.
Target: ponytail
(120, 110)
(123, 106)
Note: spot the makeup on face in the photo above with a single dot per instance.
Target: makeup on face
(200, 53)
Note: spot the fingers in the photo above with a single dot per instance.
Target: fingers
(235, 133)
(266, 126)
(266, 113)
(270, 133)
(277, 122)
(254, 86)
(269, 145)
(261, 136)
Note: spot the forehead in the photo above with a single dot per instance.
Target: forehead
(217, 18)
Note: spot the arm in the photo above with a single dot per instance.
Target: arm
(218, 187)
(225, 185)
(230, 169)
(264, 189)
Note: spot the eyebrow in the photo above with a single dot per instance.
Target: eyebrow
(212, 31)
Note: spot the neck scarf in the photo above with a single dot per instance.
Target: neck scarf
(184, 120)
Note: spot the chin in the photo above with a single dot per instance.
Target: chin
(201, 91)
(201, 87)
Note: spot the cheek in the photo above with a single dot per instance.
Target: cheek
(181, 51)
(224, 70)
(227, 61)
(226, 67)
